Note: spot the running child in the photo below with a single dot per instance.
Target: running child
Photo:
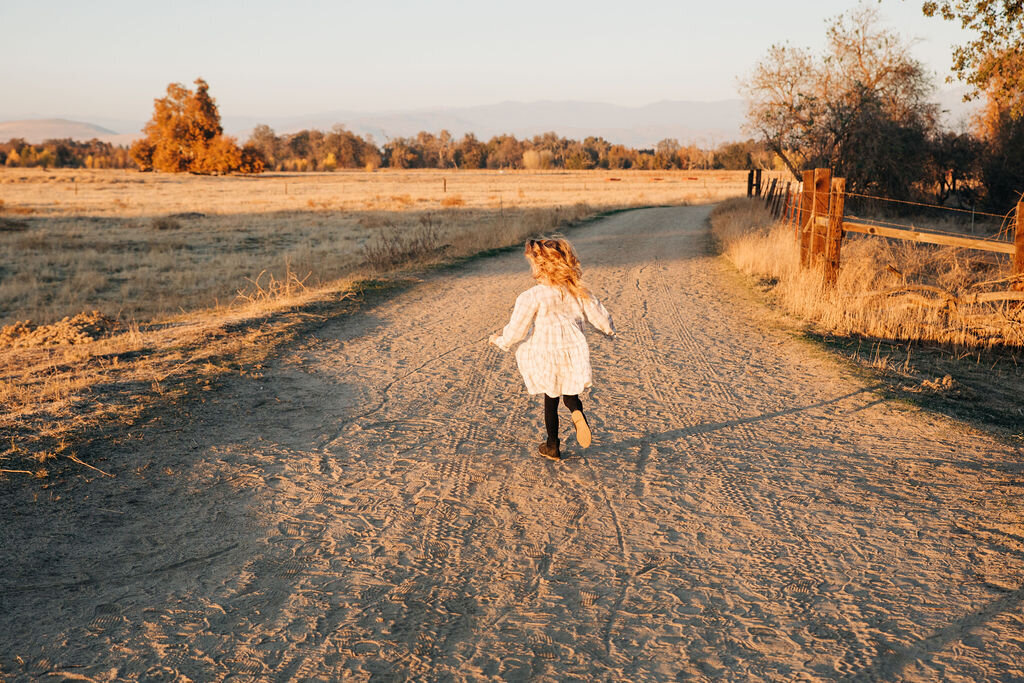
(553, 357)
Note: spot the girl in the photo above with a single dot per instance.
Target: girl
(554, 358)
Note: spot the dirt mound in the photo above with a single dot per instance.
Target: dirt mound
(81, 329)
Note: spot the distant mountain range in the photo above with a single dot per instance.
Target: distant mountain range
(699, 122)
(37, 130)
(704, 123)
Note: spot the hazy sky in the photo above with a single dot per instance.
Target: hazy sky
(110, 58)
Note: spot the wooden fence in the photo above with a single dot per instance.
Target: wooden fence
(815, 208)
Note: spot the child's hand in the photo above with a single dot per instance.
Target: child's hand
(493, 339)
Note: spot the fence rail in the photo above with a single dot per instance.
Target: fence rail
(815, 209)
(924, 236)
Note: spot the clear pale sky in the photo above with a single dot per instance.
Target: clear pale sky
(110, 58)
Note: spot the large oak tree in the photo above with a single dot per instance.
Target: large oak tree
(185, 135)
(860, 108)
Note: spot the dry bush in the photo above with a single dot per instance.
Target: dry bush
(885, 289)
(272, 289)
(454, 200)
(395, 248)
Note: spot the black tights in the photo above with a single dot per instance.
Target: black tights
(571, 401)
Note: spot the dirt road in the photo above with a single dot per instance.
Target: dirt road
(371, 508)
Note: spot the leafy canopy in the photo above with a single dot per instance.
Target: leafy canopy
(993, 62)
(860, 108)
(185, 135)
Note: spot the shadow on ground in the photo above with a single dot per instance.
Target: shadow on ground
(980, 387)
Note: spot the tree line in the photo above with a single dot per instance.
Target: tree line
(315, 150)
(185, 134)
(67, 153)
(863, 108)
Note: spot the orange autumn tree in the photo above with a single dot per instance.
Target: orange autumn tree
(185, 135)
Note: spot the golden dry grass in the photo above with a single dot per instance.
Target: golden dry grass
(138, 246)
(886, 290)
(208, 277)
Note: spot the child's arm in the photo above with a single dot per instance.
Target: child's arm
(598, 316)
(519, 325)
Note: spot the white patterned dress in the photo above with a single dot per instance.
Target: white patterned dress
(554, 359)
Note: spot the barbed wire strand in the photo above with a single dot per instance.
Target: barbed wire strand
(1004, 224)
(930, 206)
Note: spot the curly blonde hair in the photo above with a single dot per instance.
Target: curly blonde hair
(554, 262)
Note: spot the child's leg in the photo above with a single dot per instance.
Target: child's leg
(572, 402)
(551, 418)
(579, 420)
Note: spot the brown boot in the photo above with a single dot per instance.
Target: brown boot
(550, 451)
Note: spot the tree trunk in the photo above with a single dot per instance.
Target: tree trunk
(777, 148)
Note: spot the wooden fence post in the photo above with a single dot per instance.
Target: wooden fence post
(1018, 245)
(757, 182)
(769, 196)
(750, 183)
(834, 235)
(822, 190)
(806, 209)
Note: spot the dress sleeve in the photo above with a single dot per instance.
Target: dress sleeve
(519, 325)
(598, 316)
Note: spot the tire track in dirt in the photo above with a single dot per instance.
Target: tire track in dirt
(372, 508)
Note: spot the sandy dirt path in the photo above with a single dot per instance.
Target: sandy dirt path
(371, 508)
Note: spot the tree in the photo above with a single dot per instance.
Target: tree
(266, 142)
(861, 108)
(185, 134)
(400, 153)
(470, 153)
(504, 151)
(953, 164)
(993, 63)
(666, 153)
(220, 155)
(252, 160)
(579, 157)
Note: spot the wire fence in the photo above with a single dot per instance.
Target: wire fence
(781, 199)
(817, 209)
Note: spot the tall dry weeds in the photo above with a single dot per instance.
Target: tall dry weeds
(886, 290)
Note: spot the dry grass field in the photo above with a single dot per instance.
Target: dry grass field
(193, 278)
(962, 358)
(882, 284)
(138, 246)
